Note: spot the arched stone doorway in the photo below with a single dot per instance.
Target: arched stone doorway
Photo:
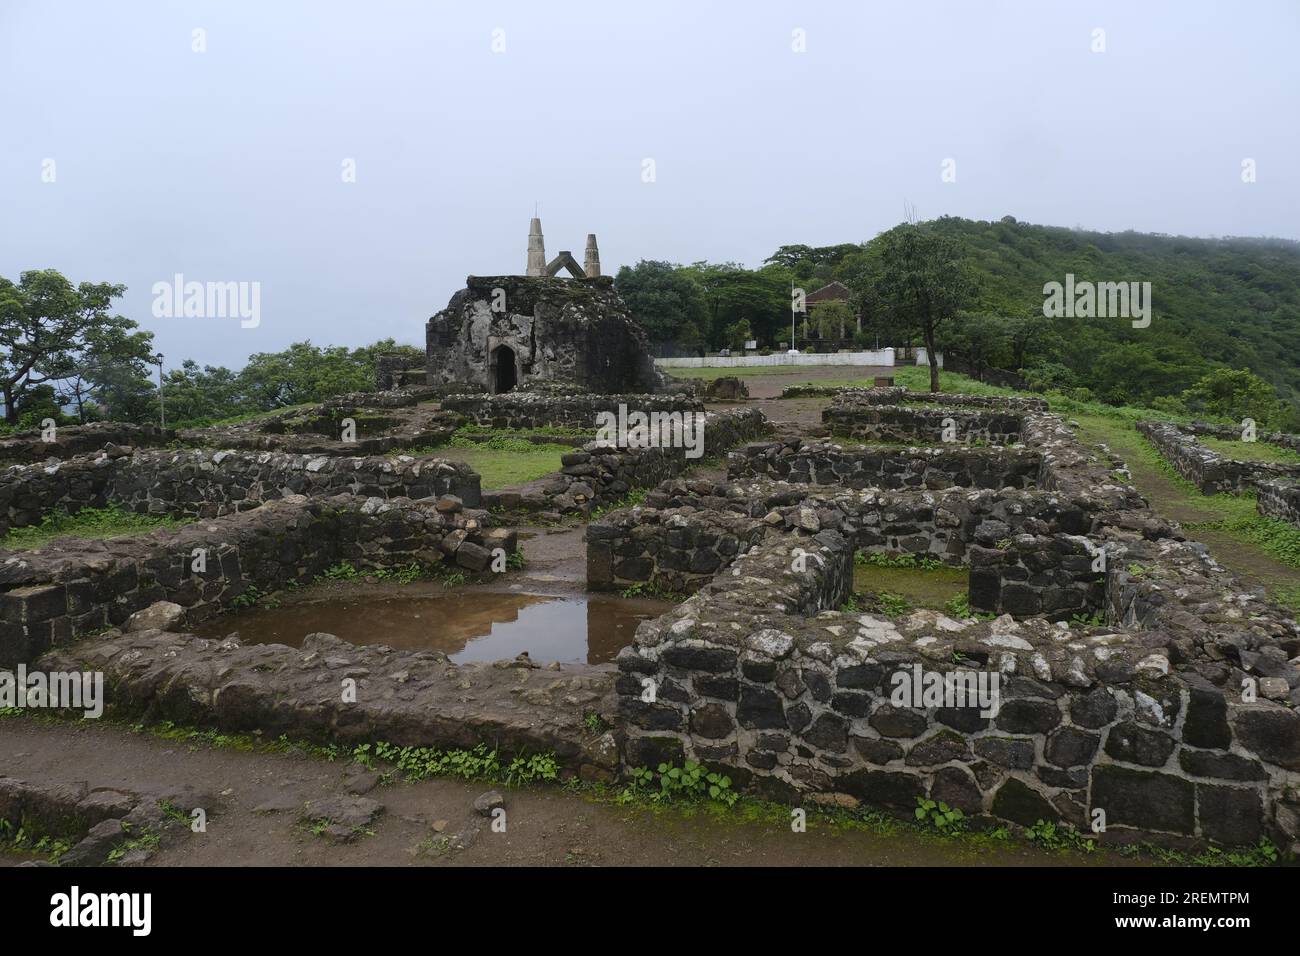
(504, 374)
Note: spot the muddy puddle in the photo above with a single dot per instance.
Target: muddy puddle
(465, 625)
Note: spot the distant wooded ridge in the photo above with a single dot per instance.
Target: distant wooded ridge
(1219, 303)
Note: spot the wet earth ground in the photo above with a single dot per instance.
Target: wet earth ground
(1174, 502)
(253, 801)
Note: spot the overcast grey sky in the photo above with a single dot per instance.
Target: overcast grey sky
(227, 165)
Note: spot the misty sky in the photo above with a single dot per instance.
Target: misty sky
(227, 165)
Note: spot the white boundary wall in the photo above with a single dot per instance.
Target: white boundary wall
(923, 357)
(884, 357)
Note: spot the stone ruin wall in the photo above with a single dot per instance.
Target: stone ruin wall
(1021, 561)
(1210, 472)
(523, 410)
(829, 463)
(206, 484)
(871, 422)
(899, 395)
(570, 330)
(383, 421)
(601, 474)
(1141, 717)
(70, 440)
(757, 674)
(1279, 499)
(72, 588)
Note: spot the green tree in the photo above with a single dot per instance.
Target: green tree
(305, 373)
(663, 298)
(732, 293)
(923, 284)
(50, 330)
(690, 337)
(199, 396)
(1235, 394)
(124, 393)
(982, 339)
(37, 404)
(110, 373)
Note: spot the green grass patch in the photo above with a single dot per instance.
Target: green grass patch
(630, 500)
(96, 524)
(406, 574)
(859, 442)
(1276, 538)
(1250, 450)
(29, 840)
(902, 583)
(644, 589)
(240, 419)
(469, 430)
(505, 460)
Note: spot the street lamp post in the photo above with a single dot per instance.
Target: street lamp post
(162, 412)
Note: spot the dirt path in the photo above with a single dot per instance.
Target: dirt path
(1172, 502)
(768, 381)
(254, 817)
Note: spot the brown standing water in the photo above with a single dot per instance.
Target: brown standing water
(465, 625)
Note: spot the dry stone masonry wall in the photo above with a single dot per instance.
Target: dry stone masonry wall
(198, 483)
(70, 440)
(898, 395)
(408, 698)
(830, 463)
(71, 587)
(522, 410)
(603, 472)
(1176, 718)
(758, 673)
(872, 422)
(1279, 499)
(1210, 472)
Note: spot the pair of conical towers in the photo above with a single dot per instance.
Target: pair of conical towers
(538, 266)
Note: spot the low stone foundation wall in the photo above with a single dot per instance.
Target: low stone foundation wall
(72, 587)
(535, 410)
(206, 484)
(1023, 549)
(898, 395)
(1210, 472)
(73, 440)
(383, 421)
(1029, 574)
(1279, 499)
(669, 551)
(1233, 433)
(798, 702)
(1175, 718)
(406, 698)
(828, 463)
(601, 473)
(926, 426)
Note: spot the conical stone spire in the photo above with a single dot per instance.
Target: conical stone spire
(591, 260)
(536, 249)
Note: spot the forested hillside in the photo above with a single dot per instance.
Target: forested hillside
(1233, 302)
(1216, 303)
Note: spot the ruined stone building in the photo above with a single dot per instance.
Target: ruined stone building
(503, 332)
